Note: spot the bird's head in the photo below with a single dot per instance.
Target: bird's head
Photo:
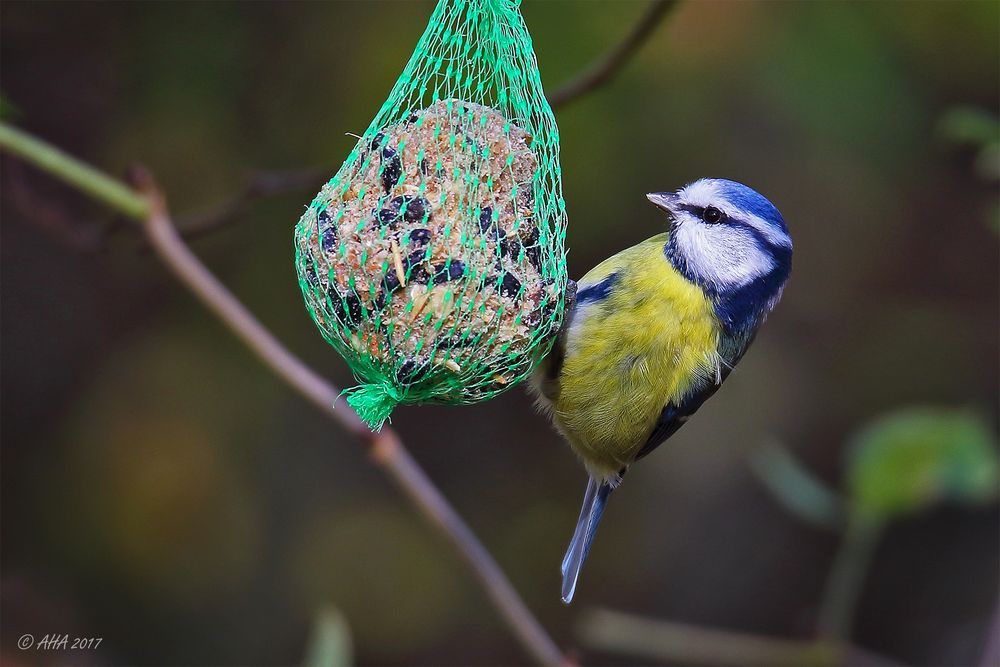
(729, 239)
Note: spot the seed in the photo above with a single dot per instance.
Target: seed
(418, 305)
(410, 371)
(397, 262)
(510, 248)
(509, 285)
(419, 275)
(323, 218)
(413, 207)
(416, 257)
(327, 230)
(534, 256)
(420, 237)
(311, 278)
(547, 311)
(347, 308)
(405, 369)
(526, 198)
(392, 168)
(443, 272)
(486, 218)
(391, 281)
(329, 239)
(531, 248)
(354, 306)
(415, 263)
(386, 216)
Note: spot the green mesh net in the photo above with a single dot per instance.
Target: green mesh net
(434, 259)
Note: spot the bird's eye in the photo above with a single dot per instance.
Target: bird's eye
(711, 215)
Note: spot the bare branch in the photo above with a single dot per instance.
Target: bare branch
(148, 206)
(387, 450)
(270, 183)
(991, 645)
(81, 176)
(605, 69)
(48, 216)
(666, 641)
(260, 184)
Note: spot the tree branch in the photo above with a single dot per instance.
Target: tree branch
(388, 451)
(47, 214)
(991, 645)
(88, 180)
(270, 183)
(661, 641)
(149, 207)
(608, 66)
(260, 184)
(845, 581)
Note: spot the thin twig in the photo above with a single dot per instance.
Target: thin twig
(846, 579)
(797, 489)
(85, 178)
(605, 69)
(260, 184)
(388, 452)
(47, 214)
(271, 183)
(666, 641)
(991, 644)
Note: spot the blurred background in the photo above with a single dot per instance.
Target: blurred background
(162, 490)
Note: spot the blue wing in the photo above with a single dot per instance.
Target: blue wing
(676, 415)
(550, 368)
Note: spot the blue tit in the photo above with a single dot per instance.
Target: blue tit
(654, 331)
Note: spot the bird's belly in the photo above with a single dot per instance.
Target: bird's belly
(622, 367)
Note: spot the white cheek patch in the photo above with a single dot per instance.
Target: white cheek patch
(706, 192)
(724, 256)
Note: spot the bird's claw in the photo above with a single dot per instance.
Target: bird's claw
(571, 289)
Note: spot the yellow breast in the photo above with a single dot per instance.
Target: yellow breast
(629, 355)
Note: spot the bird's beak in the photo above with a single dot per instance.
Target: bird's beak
(664, 200)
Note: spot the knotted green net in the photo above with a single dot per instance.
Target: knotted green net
(434, 260)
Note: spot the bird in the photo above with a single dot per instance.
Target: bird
(653, 331)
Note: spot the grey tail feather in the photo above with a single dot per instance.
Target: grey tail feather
(581, 523)
(594, 500)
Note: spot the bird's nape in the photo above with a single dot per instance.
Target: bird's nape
(594, 501)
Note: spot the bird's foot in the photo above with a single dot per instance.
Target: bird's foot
(570, 294)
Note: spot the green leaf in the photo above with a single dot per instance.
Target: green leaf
(914, 458)
(797, 489)
(330, 642)
(969, 125)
